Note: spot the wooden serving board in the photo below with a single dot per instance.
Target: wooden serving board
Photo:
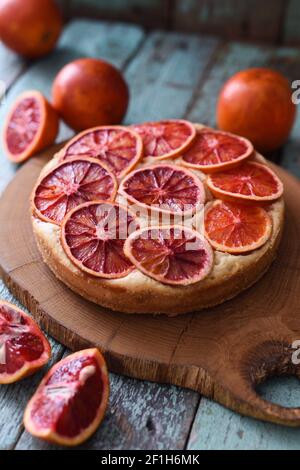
(222, 352)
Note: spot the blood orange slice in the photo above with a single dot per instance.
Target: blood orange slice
(174, 255)
(118, 147)
(164, 188)
(23, 347)
(250, 182)
(164, 139)
(71, 400)
(213, 151)
(70, 184)
(31, 125)
(235, 228)
(93, 237)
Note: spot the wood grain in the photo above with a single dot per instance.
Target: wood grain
(223, 352)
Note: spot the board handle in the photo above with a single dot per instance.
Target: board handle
(269, 359)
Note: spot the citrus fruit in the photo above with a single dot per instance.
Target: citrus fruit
(250, 182)
(32, 125)
(30, 28)
(70, 184)
(71, 400)
(117, 147)
(235, 228)
(213, 151)
(174, 255)
(90, 92)
(164, 188)
(93, 236)
(23, 347)
(256, 103)
(164, 139)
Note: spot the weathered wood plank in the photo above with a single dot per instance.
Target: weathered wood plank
(291, 32)
(217, 428)
(141, 415)
(11, 65)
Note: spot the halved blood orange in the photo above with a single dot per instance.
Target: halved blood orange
(70, 402)
(214, 151)
(93, 237)
(31, 126)
(165, 139)
(174, 255)
(250, 182)
(235, 228)
(23, 347)
(70, 184)
(118, 147)
(164, 188)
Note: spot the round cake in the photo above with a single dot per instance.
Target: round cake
(167, 217)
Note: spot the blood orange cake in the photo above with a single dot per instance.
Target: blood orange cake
(162, 217)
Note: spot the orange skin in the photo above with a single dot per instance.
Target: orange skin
(31, 27)
(256, 103)
(46, 134)
(89, 93)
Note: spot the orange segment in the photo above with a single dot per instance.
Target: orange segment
(71, 400)
(23, 347)
(249, 182)
(70, 184)
(31, 126)
(164, 139)
(164, 188)
(174, 255)
(118, 147)
(214, 151)
(234, 228)
(93, 237)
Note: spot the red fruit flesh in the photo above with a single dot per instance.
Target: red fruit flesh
(164, 188)
(70, 184)
(93, 238)
(164, 139)
(23, 346)
(115, 146)
(24, 125)
(70, 402)
(173, 255)
(214, 151)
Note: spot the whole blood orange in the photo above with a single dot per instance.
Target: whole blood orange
(251, 183)
(213, 151)
(256, 104)
(71, 400)
(164, 139)
(174, 255)
(32, 125)
(30, 27)
(118, 147)
(69, 184)
(90, 92)
(234, 228)
(23, 347)
(164, 188)
(93, 237)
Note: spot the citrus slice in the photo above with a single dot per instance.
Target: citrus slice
(23, 347)
(70, 402)
(70, 184)
(174, 255)
(235, 228)
(252, 182)
(118, 147)
(164, 188)
(164, 139)
(93, 237)
(214, 151)
(31, 126)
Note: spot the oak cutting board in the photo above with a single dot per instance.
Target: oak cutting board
(222, 352)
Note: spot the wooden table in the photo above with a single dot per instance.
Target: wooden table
(170, 75)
